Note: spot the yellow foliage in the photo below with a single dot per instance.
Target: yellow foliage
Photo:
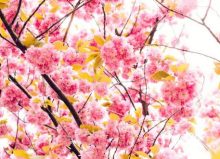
(92, 56)
(4, 121)
(106, 104)
(29, 40)
(55, 6)
(86, 76)
(99, 40)
(170, 122)
(21, 153)
(138, 112)
(90, 128)
(107, 7)
(126, 156)
(3, 4)
(130, 119)
(114, 116)
(48, 102)
(155, 149)
(170, 57)
(77, 67)
(215, 155)
(3, 32)
(217, 68)
(60, 46)
(143, 154)
(23, 16)
(161, 76)
(64, 119)
(98, 62)
(180, 68)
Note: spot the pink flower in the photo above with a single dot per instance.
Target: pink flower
(70, 57)
(3, 129)
(119, 106)
(118, 52)
(13, 98)
(45, 59)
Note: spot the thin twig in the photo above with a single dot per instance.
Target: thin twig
(29, 18)
(17, 12)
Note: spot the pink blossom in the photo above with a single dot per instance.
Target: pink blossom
(13, 98)
(45, 59)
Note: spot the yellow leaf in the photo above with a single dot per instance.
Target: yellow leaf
(21, 153)
(217, 68)
(113, 116)
(138, 112)
(179, 68)
(3, 32)
(155, 149)
(4, 121)
(9, 137)
(99, 40)
(23, 16)
(98, 62)
(71, 99)
(4, 1)
(46, 149)
(77, 67)
(82, 46)
(3, 5)
(48, 102)
(29, 40)
(215, 155)
(64, 119)
(92, 57)
(161, 75)
(86, 76)
(124, 156)
(130, 119)
(170, 57)
(90, 128)
(55, 6)
(39, 16)
(107, 104)
(60, 46)
(107, 7)
(143, 154)
(19, 78)
(156, 106)
(170, 122)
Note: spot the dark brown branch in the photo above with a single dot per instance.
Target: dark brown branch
(149, 38)
(29, 18)
(63, 98)
(19, 86)
(10, 31)
(104, 21)
(49, 113)
(7, 40)
(17, 12)
(74, 150)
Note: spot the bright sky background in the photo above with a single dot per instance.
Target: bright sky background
(200, 40)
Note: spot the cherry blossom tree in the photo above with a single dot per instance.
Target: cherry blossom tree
(91, 79)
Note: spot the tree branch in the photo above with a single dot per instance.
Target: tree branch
(17, 12)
